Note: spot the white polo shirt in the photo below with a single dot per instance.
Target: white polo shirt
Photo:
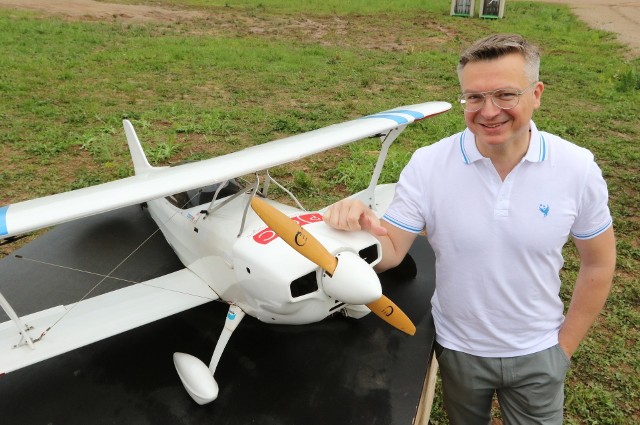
(498, 244)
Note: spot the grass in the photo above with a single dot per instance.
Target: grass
(252, 71)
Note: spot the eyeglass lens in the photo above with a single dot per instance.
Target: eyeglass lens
(503, 99)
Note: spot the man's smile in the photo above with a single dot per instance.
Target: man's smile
(492, 125)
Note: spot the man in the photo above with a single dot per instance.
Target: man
(498, 201)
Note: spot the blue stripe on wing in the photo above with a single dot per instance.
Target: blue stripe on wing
(415, 114)
(397, 115)
(3, 220)
(397, 118)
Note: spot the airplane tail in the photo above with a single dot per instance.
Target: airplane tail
(140, 163)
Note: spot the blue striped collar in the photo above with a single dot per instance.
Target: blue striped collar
(538, 146)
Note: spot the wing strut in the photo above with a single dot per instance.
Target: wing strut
(12, 314)
(387, 140)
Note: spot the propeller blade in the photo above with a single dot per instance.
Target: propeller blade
(385, 309)
(308, 246)
(293, 234)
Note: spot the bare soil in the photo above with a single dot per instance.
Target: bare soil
(94, 10)
(618, 16)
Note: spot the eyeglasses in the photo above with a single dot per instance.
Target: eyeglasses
(502, 98)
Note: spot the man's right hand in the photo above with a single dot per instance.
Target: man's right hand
(352, 215)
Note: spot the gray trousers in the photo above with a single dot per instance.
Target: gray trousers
(530, 388)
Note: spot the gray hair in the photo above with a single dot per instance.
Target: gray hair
(499, 45)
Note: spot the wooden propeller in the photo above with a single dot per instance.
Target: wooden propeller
(307, 245)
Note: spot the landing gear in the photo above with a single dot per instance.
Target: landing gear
(196, 377)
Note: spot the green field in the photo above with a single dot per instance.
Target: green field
(253, 71)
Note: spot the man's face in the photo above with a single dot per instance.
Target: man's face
(493, 127)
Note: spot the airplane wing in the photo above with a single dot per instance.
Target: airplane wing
(100, 317)
(27, 216)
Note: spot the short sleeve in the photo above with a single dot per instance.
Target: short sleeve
(594, 216)
(404, 210)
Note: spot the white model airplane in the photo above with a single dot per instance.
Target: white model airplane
(228, 252)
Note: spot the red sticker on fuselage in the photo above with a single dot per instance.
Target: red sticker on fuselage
(267, 235)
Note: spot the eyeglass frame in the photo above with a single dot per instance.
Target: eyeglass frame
(484, 94)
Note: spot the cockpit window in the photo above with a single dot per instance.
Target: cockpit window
(204, 195)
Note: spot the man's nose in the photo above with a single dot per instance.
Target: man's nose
(489, 108)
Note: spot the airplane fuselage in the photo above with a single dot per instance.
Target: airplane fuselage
(251, 266)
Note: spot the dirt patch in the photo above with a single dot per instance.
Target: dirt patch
(93, 10)
(324, 30)
(618, 16)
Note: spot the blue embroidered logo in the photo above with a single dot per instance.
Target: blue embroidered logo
(544, 209)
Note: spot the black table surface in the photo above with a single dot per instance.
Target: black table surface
(338, 371)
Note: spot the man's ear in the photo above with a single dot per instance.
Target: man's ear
(537, 92)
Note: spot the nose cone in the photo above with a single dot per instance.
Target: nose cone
(353, 281)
